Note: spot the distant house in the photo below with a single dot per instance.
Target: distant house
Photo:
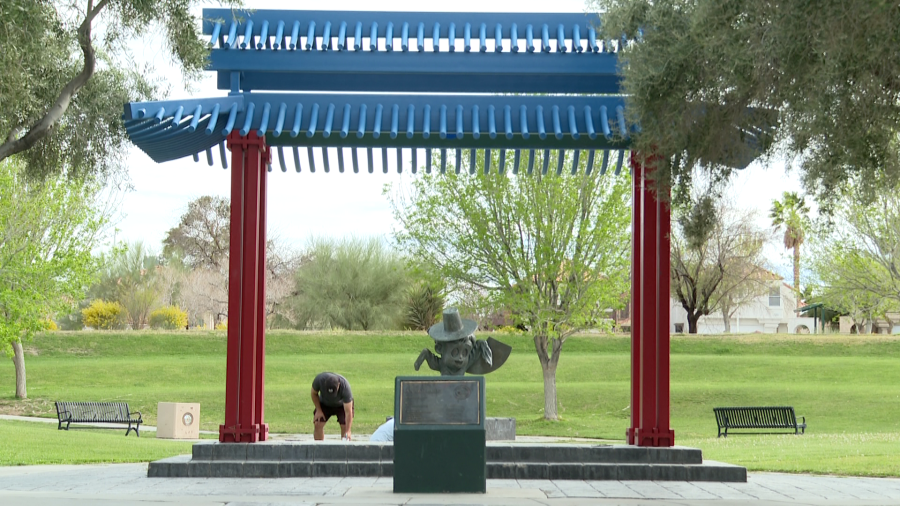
(771, 313)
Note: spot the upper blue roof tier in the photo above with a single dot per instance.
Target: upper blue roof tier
(409, 52)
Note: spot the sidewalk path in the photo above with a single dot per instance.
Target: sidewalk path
(127, 484)
(144, 428)
(296, 437)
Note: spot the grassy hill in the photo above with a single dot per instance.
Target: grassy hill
(848, 387)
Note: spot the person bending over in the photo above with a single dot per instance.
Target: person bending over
(331, 396)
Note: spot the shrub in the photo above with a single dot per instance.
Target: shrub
(169, 318)
(423, 307)
(50, 325)
(103, 315)
(222, 325)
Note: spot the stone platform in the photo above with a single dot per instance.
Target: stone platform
(504, 461)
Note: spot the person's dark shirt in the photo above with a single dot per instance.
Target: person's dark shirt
(325, 381)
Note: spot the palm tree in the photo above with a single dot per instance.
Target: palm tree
(792, 212)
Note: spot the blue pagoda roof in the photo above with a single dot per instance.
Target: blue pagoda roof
(168, 130)
(410, 51)
(401, 81)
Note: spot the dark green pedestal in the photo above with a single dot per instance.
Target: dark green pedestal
(437, 460)
(439, 435)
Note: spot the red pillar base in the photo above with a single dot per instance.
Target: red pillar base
(654, 438)
(244, 434)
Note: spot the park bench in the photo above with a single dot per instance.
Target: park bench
(98, 412)
(762, 417)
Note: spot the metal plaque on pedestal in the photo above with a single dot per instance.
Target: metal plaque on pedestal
(439, 434)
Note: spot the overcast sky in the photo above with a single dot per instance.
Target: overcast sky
(303, 205)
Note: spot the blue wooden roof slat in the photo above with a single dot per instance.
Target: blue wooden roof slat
(418, 72)
(605, 164)
(132, 110)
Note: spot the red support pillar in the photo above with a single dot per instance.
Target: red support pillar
(261, 302)
(637, 208)
(246, 292)
(650, 314)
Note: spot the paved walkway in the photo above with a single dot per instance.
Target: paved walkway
(294, 437)
(54, 421)
(127, 484)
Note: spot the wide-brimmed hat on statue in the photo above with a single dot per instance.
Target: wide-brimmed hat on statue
(452, 327)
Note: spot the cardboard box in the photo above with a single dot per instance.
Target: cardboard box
(178, 420)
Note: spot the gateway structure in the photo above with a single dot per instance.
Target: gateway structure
(336, 91)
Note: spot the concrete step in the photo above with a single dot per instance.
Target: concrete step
(589, 454)
(183, 466)
(496, 452)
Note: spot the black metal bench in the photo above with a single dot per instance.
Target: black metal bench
(98, 412)
(761, 417)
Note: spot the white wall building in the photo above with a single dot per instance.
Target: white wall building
(768, 314)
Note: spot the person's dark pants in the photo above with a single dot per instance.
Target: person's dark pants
(329, 411)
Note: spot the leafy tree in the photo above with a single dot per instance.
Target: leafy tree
(130, 274)
(201, 237)
(205, 292)
(201, 244)
(792, 212)
(67, 70)
(47, 231)
(350, 284)
(707, 78)
(552, 249)
(857, 261)
(720, 269)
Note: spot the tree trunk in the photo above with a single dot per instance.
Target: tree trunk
(549, 360)
(726, 317)
(797, 272)
(692, 323)
(550, 404)
(19, 362)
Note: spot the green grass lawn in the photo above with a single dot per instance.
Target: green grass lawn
(28, 443)
(848, 387)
